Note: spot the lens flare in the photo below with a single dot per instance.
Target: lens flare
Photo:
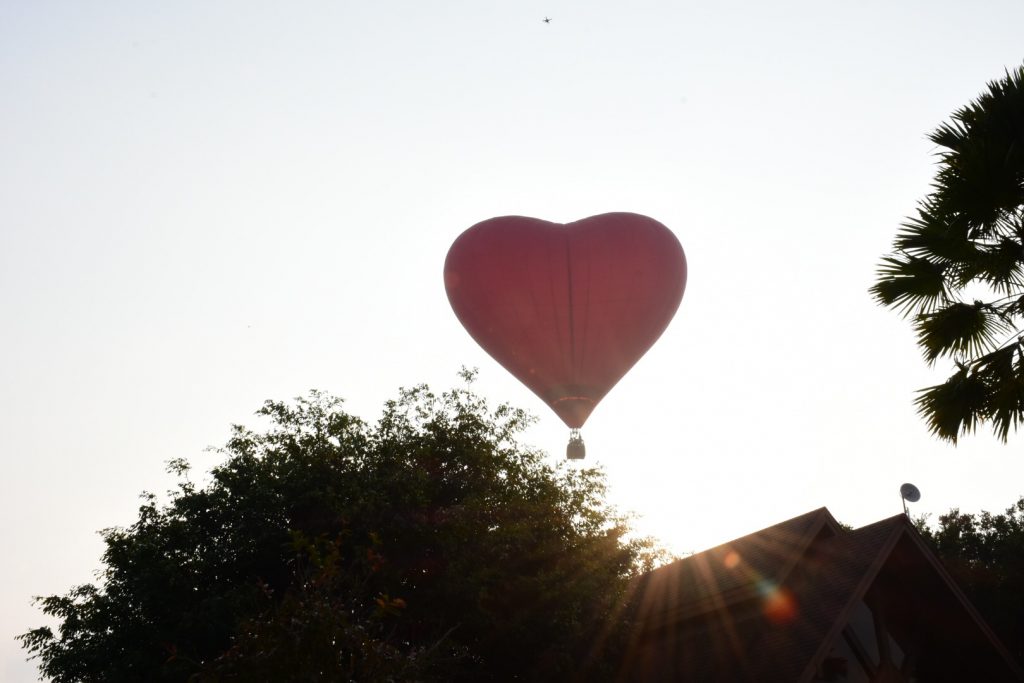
(732, 560)
(778, 604)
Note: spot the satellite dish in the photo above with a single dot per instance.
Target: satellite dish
(910, 493)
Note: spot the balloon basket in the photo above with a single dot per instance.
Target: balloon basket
(575, 450)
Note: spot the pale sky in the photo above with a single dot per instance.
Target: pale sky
(207, 204)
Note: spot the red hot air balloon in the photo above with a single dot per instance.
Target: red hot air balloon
(568, 308)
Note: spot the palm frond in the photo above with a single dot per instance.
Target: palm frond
(909, 283)
(930, 235)
(956, 406)
(959, 329)
(1000, 266)
(1004, 387)
(982, 173)
(950, 134)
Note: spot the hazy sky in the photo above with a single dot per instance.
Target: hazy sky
(207, 204)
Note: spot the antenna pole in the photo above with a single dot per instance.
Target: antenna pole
(904, 501)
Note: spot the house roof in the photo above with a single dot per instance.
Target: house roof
(766, 606)
(734, 570)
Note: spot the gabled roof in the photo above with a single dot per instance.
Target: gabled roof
(735, 570)
(768, 606)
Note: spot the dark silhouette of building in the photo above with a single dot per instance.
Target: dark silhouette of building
(807, 600)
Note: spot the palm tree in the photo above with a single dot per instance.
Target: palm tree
(957, 267)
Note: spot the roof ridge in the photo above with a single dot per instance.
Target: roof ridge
(739, 569)
(811, 513)
(898, 517)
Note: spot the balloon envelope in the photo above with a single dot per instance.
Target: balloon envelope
(569, 308)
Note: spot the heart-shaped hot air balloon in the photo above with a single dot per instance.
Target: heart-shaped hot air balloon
(568, 308)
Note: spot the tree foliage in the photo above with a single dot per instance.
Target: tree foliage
(429, 546)
(985, 555)
(957, 266)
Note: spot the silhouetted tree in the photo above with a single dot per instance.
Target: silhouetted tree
(430, 546)
(957, 267)
(985, 554)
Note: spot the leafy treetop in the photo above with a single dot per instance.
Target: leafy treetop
(429, 546)
(985, 554)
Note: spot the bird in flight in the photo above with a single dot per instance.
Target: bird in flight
(547, 20)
